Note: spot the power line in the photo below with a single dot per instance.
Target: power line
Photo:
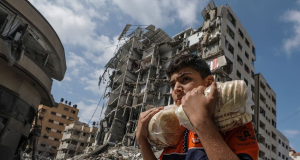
(288, 117)
(98, 105)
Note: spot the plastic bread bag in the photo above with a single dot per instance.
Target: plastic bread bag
(164, 128)
(233, 106)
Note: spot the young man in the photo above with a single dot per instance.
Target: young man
(189, 76)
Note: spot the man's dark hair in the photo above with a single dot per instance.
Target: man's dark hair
(189, 60)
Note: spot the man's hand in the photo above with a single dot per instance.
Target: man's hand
(142, 128)
(142, 133)
(200, 109)
(197, 106)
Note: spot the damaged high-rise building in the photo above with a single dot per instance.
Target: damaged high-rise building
(137, 72)
(31, 56)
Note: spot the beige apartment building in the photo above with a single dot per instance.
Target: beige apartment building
(77, 138)
(53, 121)
(31, 57)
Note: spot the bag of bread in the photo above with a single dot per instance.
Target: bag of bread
(233, 106)
(164, 128)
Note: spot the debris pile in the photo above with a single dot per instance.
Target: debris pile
(116, 152)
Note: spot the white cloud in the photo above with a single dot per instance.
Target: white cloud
(162, 13)
(91, 82)
(86, 111)
(293, 42)
(87, 108)
(75, 61)
(67, 78)
(291, 133)
(76, 21)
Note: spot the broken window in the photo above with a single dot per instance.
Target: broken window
(246, 81)
(66, 109)
(238, 74)
(83, 134)
(81, 144)
(61, 124)
(241, 34)
(55, 139)
(231, 18)
(262, 111)
(50, 120)
(247, 55)
(72, 111)
(43, 110)
(252, 74)
(63, 116)
(230, 32)
(252, 88)
(253, 50)
(40, 117)
(46, 137)
(229, 47)
(240, 46)
(3, 19)
(247, 42)
(43, 145)
(246, 68)
(14, 30)
(58, 131)
(54, 113)
(228, 67)
(239, 59)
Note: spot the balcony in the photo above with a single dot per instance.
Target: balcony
(70, 136)
(68, 146)
(73, 126)
(91, 140)
(83, 138)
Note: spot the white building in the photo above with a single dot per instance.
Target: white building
(273, 144)
(77, 136)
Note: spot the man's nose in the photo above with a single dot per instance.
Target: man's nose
(177, 88)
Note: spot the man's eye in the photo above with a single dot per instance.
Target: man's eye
(172, 86)
(185, 79)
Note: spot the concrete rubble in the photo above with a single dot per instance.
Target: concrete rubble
(117, 152)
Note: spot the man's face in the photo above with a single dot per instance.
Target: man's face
(184, 80)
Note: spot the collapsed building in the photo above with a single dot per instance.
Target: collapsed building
(137, 72)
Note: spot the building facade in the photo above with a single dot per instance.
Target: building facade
(53, 121)
(31, 56)
(139, 81)
(293, 154)
(78, 138)
(273, 144)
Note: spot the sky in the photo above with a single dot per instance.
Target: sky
(89, 30)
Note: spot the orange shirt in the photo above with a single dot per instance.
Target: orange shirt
(241, 141)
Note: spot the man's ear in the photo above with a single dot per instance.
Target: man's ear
(209, 80)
